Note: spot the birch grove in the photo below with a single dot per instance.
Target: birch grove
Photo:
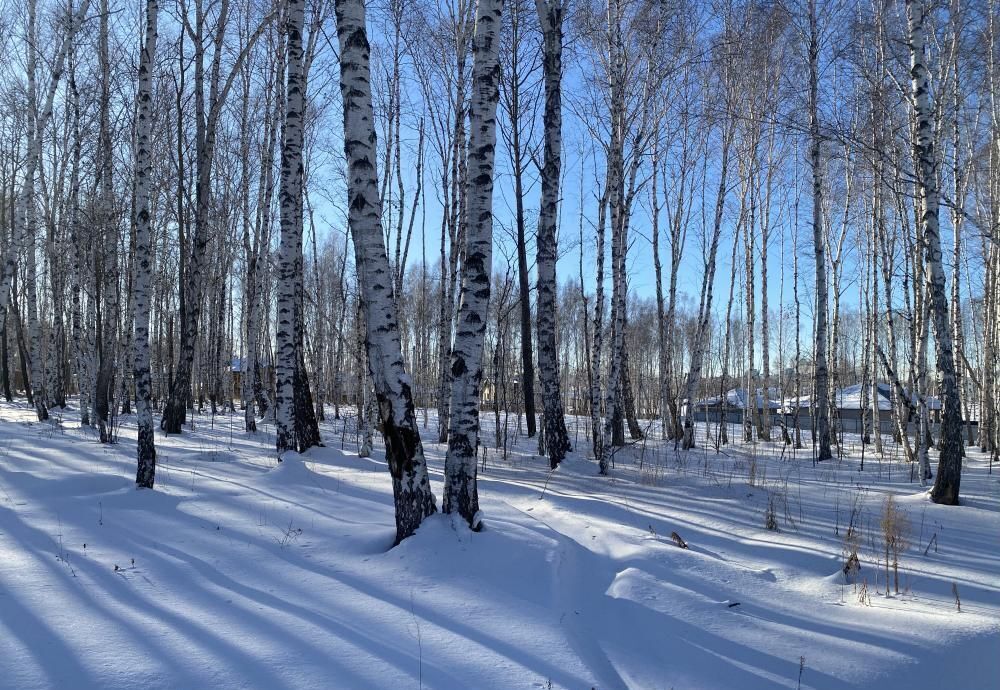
(622, 224)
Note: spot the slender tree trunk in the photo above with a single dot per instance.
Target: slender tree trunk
(306, 423)
(705, 306)
(80, 355)
(661, 324)
(286, 421)
(22, 348)
(460, 492)
(456, 226)
(601, 436)
(28, 219)
(512, 105)
(949, 475)
(262, 240)
(765, 339)
(550, 13)
(108, 250)
(727, 339)
(5, 364)
(596, 350)
(146, 449)
(617, 211)
(822, 401)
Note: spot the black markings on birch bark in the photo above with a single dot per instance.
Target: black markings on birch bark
(550, 15)
(460, 491)
(821, 374)
(949, 474)
(146, 450)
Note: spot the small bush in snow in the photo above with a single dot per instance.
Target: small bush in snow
(895, 537)
(863, 596)
(770, 514)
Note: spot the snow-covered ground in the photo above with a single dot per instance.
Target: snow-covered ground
(240, 573)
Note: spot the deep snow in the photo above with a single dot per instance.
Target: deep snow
(237, 572)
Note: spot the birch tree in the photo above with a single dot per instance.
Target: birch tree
(460, 492)
(255, 249)
(287, 423)
(822, 399)
(28, 217)
(106, 277)
(550, 14)
(597, 346)
(145, 447)
(515, 77)
(81, 353)
(461, 28)
(948, 480)
(616, 75)
(404, 453)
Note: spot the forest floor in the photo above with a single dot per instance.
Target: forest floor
(238, 572)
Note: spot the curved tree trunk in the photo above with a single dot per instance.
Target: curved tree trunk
(949, 475)
(403, 451)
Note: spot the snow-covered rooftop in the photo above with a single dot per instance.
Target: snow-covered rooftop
(739, 397)
(852, 397)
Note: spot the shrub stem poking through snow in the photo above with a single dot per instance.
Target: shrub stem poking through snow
(895, 534)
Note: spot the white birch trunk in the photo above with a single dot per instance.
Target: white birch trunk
(556, 440)
(36, 359)
(948, 480)
(822, 400)
(411, 486)
(617, 211)
(460, 492)
(80, 359)
(25, 217)
(456, 223)
(146, 449)
(661, 328)
(107, 274)
(290, 196)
